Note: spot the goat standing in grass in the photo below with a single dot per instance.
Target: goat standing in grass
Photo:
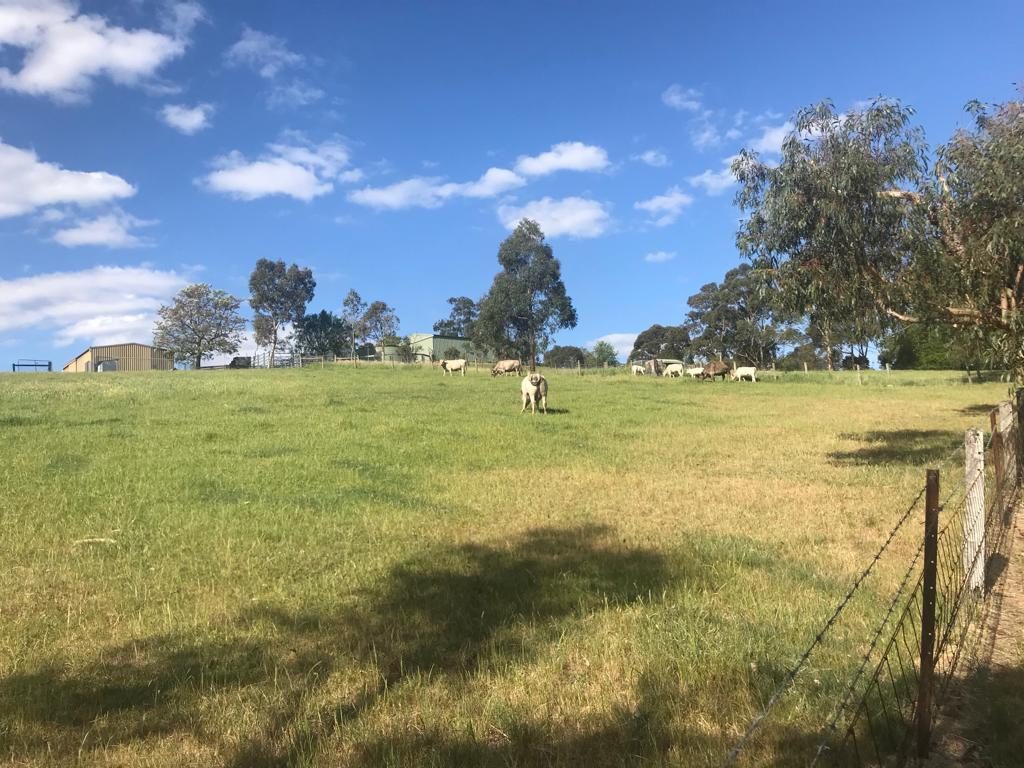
(450, 366)
(534, 389)
(744, 372)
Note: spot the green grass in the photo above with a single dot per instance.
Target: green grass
(387, 567)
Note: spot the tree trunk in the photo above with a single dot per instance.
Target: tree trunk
(273, 347)
(197, 363)
(826, 335)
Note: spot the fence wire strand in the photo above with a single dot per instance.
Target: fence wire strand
(878, 706)
(791, 676)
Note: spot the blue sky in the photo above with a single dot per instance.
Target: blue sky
(391, 146)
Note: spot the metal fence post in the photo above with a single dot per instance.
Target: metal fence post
(931, 546)
(974, 509)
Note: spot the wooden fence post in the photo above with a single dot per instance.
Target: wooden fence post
(1018, 444)
(974, 519)
(860, 381)
(805, 367)
(931, 546)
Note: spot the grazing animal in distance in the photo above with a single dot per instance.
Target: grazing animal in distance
(534, 389)
(450, 366)
(693, 373)
(715, 369)
(638, 370)
(674, 370)
(744, 372)
(506, 366)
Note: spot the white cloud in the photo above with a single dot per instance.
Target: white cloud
(494, 182)
(119, 306)
(771, 139)
(267, 55)
(352, 176)
(188, 120)
(658, 257)
(716, 182)
(65, 51)
(297, 93)
(653, 157)
(432, 192)
(417, 192)
(665, 209)
(270, 58)
(676, 97)
(298, 169)
(113, 230)
(566, 156)
(51, 215)
(622, 343)
(26, 183)
(573, 216)
(705, 135)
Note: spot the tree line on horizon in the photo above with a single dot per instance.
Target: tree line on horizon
(859, 236)
(526, 305)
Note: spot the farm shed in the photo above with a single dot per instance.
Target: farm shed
(120, 357)
(431, 346)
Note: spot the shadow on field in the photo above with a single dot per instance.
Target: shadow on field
(989, 715)
(898, 446)
(294, 682)
(976, 410)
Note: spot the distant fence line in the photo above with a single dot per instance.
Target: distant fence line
(932, 626)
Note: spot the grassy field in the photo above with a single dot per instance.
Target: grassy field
(382, 567)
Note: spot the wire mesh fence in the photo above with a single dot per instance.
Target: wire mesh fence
(929, 631)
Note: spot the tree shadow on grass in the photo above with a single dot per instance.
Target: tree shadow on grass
(448, 617)
(444, 612)
(911, 447)
(454, 612)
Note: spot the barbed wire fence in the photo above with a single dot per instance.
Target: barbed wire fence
(930, 629)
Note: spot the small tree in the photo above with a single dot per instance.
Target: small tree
(352, 310)
(379, 322)
(734, 319)
(199, 323)
(671, 341)
(323, 334)
(565, 357)
(460, 322)
(603, 354)
(406, 353)
(279, 296)
(527, 302)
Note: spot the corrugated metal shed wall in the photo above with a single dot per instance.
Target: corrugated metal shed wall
(129, 357)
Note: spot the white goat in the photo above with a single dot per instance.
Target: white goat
(506, 366)
(673, 370)
(744, 372)
(534, 389)
(638, 370)
(693, 373)
(450, 366)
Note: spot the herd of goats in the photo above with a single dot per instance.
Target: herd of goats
(534, 387)
(712, 370)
